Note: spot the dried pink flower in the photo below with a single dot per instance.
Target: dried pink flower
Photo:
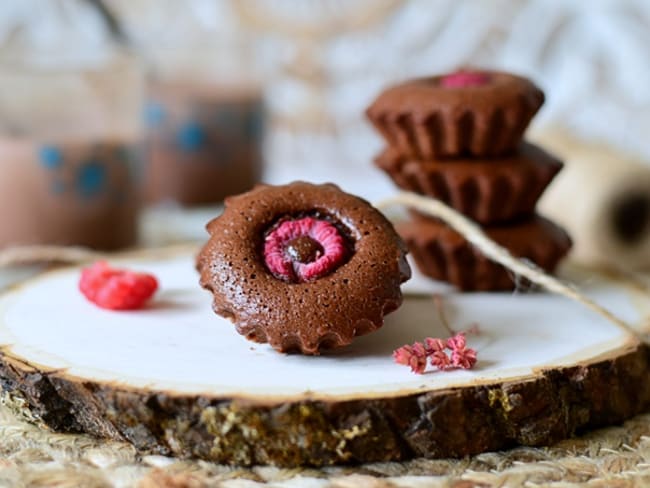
(413, 356)
(457, 342)
(402, 355)
(433, 344)
(419, 359)
(463, 358)
(440, 360)
(461, 355)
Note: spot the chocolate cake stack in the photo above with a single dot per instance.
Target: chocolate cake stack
(458, 138)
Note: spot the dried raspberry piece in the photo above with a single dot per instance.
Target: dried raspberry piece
(304, 249)
(116, 289)
(462, 79)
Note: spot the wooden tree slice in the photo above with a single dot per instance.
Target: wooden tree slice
(176, 379)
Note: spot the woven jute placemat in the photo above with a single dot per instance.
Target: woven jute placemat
(31, 456)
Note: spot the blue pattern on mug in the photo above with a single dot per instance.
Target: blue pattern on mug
(91, 179)
(58, 187)
(154, 114)
(191, 136)
(50, 157)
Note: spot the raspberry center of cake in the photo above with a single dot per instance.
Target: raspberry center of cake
(303, 249)
(462, 79)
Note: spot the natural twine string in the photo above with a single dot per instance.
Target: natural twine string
(473, 233)
(46, 254)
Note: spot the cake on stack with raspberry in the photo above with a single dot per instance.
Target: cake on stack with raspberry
(459, 138)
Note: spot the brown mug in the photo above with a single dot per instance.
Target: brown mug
(203, 143)
(68, 192)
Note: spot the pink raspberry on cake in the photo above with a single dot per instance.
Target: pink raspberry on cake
(303, 250)
(461, 79)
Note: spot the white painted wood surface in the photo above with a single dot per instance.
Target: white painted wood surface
(178, 344)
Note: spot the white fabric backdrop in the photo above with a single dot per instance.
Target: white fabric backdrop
(592, 59)
(324, 60)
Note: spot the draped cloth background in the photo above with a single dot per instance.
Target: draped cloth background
(321, 62)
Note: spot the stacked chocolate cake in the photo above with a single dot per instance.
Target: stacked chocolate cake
(458, 138)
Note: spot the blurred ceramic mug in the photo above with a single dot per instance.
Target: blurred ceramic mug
(70, 145)
(205, 128)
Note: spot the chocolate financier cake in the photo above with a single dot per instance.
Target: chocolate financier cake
(485, 190)
(443, 254)
(478, 113)
(303, 267)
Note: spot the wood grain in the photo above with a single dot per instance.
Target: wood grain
(451, 423)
